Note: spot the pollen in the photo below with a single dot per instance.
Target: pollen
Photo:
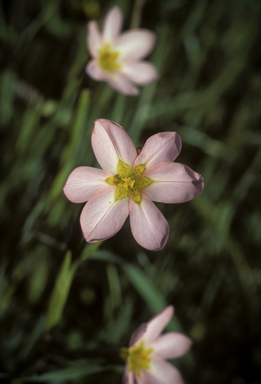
(108, 59)
(129, 181)
(139, 358)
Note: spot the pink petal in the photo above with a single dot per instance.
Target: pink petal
(158, 151)
(102, 218)
(162, 372)
(93, 70)
(156, 325)
(142, 379)
(175, 183)
(112, 24)
(121, 83)
(136, 44)
(85, 183)
(171, 345)
(149, 227)
(140, 72)
(94, 40)
(128, 377)
(110, 142)
(137, 336)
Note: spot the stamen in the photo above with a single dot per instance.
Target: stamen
(129, 182)
(108, 59)
(139, 358)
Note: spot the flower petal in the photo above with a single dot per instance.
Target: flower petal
(94, 40)
(121, 83)
(112, 24)
(175, 183)
(128, 377)
(85, 183)
(162, 372)
(156, 325)
(93, 70)
(102, 218)
(110, 142)
(140, 72)
(135, 44)
(158, 151)
(149, 227)
(137, 336)
(171, 345)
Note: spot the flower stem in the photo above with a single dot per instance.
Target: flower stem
(136, 14)
(63, 284)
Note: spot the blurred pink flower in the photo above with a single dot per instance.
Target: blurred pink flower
(148, 350)
(116, 58)
(127, 184)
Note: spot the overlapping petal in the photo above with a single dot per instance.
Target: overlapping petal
(159, 151)
(110, 142)
(94, 71)
(123, 84)
(103, 217)
(175, 183)
(128, 377)
(171, 345)
(149, 227)
(156, 325)
(141, 72)
(137, 336)
(94, 39)
(162, 372)
(112, 25)
(85, 183)
(135, 45)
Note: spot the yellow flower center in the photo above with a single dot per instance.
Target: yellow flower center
(139, 357)
(108, 59)
(129, 182)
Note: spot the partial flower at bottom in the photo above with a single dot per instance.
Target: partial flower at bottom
(117, 58)
(148, 349)
(127, 184)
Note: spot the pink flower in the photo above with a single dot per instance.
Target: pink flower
(116, 58)
(148, 350)
(127, 184)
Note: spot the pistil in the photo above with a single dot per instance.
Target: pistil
(129, 182)
(108, 59)
(139, 357)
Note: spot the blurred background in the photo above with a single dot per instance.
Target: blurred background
(59, 326)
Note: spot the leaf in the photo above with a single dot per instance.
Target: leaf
(60, 292)
(73, 372)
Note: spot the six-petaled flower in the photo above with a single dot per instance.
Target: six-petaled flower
(117, 58)
(127, 184)
(148, 349)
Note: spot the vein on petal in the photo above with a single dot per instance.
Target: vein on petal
(148, 223)
(159, 152)
(110, 207)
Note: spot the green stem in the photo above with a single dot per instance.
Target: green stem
(63, 284)
(136, 15)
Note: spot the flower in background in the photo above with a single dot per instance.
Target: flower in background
(117, 58)
(148, 349)
(127, 184)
